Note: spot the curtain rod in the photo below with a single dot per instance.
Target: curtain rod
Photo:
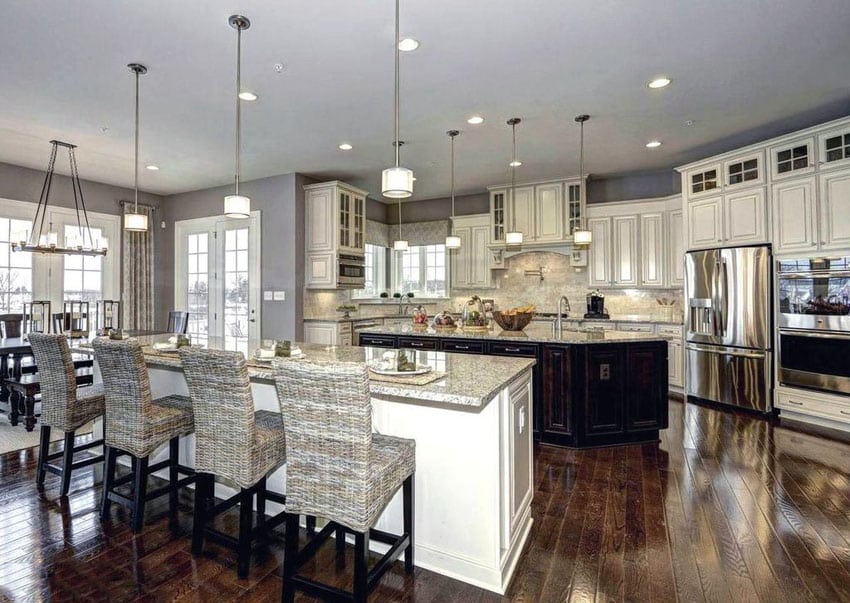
(123, 202)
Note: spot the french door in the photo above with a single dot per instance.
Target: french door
(217, 279)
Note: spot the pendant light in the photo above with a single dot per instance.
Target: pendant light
(397, 181)
(136, 222)
(513, 236)
(582, 236)
(236, 205)
(452, 241)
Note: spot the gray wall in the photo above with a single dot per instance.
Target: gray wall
(281, 201)
(438, 209)
(641, 185)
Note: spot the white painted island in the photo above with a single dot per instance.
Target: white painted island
(474, 466)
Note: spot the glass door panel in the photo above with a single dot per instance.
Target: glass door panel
(197, 289)
(236, 310)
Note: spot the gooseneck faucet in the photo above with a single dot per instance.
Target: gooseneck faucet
(563, 306)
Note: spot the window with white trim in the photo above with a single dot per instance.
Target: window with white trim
(375, 272)
(82, 275)
(15, 266)
(421, 270)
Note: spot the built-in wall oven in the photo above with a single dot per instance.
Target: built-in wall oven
(351, 271)
(813, 298)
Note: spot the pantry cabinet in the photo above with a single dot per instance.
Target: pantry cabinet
(470, 264)
(625, 272)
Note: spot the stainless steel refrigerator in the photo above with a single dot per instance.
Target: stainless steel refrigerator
(728, 326)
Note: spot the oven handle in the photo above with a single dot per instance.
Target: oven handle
(815, 274)
(830, 335)
(726, 352)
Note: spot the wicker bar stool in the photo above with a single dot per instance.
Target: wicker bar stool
(233, 442)
(137, 425)
(63, 407)
(338, 469)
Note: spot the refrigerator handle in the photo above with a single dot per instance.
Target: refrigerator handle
(724, 276)
(715, 305)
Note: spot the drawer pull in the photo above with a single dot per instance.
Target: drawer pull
(461, 347)
(845, 412)
(795, 403)
(413, 344)
(512, 350)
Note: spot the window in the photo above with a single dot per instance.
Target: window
(83, 275)
(198, 295)
(15, 267)
(421, 270)
(376, 272)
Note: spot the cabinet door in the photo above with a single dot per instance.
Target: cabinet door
(676, 250)
(479, 264)
(646, 386)
(599, 260)
(549, 214)
(606, 381)
(523, 212)
(625, 250)
(320, 219)
(498, 216)
(345, 218)
(324, 334)
(705, 223)
(358, 231)
(460, 259)
(745, 219)
(794, 215)
(321, 271)
(652, 257)
(834, 214)
(794, 158)
(520, 451)
(557, 393)
(675, 363)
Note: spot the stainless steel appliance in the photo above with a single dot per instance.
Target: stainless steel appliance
(728, 339)
(596, 305)
(351, 271)
(814, 323)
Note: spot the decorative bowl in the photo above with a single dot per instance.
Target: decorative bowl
(512, 322)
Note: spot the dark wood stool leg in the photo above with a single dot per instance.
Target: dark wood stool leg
(261, 504)
(361, 566)
(14, 408)
(311, 525)
(173, 475)
(140, 493)
(340, 547)
(246, 516)
(290, 552)
(29, 416)
(43, 451)
(67, 462)
(408, 492)
(204, 485)
(4, 372)
(108, 479)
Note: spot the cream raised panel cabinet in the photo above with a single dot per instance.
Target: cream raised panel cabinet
(521, 214)
(745, 217)
(676, 250)
(795, 215)
(328, 333)
(470, 265)
(625, 233)
(834, 218)
(599, 256)
(705, 222)
(652, 253)
(549, 214)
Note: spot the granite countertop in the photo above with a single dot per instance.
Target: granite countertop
(469, 381)
(341, 319)
(533, 333)
(642, 318)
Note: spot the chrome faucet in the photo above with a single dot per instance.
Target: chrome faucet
(403, 310)
(563, 307)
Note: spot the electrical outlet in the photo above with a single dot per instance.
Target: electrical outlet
(280, 295)
(604, 372)
(268, 295)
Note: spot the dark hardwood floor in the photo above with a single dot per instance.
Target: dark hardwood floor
(725, 508)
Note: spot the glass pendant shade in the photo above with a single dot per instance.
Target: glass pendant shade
(513, 238)
(452, 242)
(237, 206)
(397, 182)
(582, 237)
(135, 222)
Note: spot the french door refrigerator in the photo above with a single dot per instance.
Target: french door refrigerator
(728, 323)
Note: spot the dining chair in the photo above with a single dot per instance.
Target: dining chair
(178, 321)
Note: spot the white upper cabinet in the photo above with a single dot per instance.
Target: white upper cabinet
(794, 215)
(652, 256)
(335, 214)
(498, 215)
(549, 214)
(624, 229)
(834, 148)
(703, 181)
(675, 250)
(745, 219)
(793, 158)
(744, 170)
(599, 255)
(705, 223)
(470, 264)
(834, 210)
(521, 215)
(319, 208)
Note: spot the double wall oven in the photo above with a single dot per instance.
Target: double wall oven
(813, 299)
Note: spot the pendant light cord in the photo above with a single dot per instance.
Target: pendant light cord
(238, 103)
(397, 95)
(582, 197)
(513, 177)
(136, 152)
(453, 172)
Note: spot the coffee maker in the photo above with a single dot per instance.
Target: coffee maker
(596, 305)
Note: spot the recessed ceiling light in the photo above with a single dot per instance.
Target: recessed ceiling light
(475, 120)
(247, 96)
(659, 82)
(345, 147)
(408, 44)
(653, 144)
(152, 167)
(515, 163)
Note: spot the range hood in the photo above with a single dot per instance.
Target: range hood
(501, 252)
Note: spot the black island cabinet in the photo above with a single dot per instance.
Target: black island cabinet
(594, 393)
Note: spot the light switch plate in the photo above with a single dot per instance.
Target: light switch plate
(280, 295)
(268, 295)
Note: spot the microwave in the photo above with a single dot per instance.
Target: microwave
(351, 271)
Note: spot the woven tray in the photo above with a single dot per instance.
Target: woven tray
(408, 380)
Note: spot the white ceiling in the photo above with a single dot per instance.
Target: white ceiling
(737, 66)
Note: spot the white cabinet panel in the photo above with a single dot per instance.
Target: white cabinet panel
(319, 213)
(470, 265)
(321, 333)
(652, 257)
(675, 363)
(498, 215)
(460, 263)
(676, 249)
(523, 212)
(794, 217)
(549, 215)
(625, 250)
(599, 260)
(480, 264)
(320, 270)
(793, 158)
(745, 217)
(834, 211)
(705, 223)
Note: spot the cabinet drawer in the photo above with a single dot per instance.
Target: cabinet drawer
(377, 341)
(806, 404)
(417, 344)
(669, 331)
(463, 347)
(345, 328)
(526, 350)
(635, 327)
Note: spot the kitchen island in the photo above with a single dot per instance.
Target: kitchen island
(591, 388)
(472, 427)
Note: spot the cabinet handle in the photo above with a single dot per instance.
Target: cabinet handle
(416, 345)
(844, 412)
(795, 403)
(461, 347)
(512, 349)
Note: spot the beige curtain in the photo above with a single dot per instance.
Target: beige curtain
(137, 288)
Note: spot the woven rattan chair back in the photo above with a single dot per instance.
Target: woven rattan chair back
(57, 379)
(225, 428)
(128, 393)
(327, 411)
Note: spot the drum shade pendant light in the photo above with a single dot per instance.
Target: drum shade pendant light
(513, 236)
(452, 241)
(397, 181)
(582, 236)
(136, 222)
(236, 205)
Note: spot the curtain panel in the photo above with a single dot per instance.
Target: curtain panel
(422, 233)
(137, 271)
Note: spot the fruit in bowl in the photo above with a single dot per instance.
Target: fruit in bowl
(515, 319)
(444, 320)
(420, 316)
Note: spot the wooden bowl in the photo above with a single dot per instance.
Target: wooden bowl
(512, 322)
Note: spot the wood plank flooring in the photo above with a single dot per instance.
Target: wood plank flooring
(725, 508)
